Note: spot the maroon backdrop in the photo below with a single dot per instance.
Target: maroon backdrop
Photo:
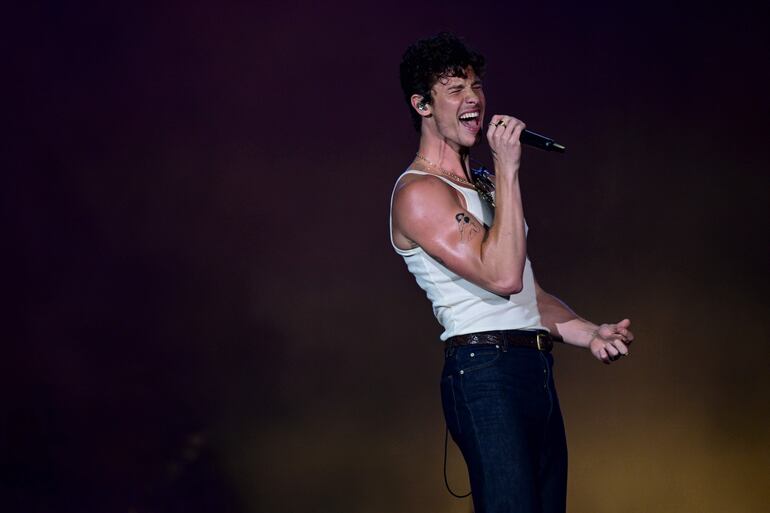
(205, 313)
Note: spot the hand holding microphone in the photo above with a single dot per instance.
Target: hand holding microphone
(504, 136)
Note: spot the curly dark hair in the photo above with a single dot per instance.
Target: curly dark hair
(433, 58)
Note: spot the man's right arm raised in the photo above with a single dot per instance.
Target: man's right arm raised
(428, 212)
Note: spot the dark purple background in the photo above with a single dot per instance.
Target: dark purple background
(205, 313)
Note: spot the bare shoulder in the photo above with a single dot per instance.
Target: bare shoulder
(425, 210)
(417, 196)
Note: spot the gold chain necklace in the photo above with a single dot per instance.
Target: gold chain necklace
(447, 173)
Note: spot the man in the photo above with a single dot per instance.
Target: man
(468, 251)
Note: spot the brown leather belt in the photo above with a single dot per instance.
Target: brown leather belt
(536, 339)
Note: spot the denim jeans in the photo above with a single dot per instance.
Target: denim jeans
(502, 410)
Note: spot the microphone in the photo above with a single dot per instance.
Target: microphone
(540, 141)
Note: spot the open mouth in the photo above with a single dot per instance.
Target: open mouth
(471, 120)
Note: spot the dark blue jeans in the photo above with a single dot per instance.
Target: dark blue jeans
(501, 408)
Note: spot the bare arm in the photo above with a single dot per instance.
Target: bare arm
(429, 212)
(607, 342)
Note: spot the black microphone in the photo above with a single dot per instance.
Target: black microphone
(540, 141)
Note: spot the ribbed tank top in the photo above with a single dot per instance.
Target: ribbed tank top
(460, 306)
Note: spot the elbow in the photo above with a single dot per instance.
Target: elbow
(507, 287)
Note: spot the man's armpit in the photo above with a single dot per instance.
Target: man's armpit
(437, 259)
(468, 227)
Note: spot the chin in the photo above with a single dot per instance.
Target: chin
(474, 142)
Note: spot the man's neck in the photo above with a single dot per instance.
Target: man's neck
(443, 155)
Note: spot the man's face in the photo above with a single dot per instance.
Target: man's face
(458, 108)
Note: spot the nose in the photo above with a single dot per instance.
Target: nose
(472, 96)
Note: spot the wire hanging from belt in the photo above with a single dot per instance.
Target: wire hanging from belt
(446, 481)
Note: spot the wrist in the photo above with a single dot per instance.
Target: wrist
(591, 334)
(508, 179)
(505, 166)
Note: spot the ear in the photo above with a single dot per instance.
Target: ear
(422, 108)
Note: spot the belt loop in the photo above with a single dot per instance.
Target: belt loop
(504, 341)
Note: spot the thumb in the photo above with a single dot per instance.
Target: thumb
(625, 323)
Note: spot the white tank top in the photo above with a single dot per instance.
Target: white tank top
(460, 306)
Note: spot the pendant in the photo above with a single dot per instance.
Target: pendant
(482, 178)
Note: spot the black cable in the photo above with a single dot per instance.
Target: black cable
(446, 481)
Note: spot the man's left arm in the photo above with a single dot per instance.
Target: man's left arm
(607, 342)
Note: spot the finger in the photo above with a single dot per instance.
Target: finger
(613, 331)
(625, 323)
(626, 336)
(516, 128)
(611, 350)
(619, 335)
(620, 347)
(502, 120)
(493, 130)
(503, 126)
(603, 356)
(496, 129)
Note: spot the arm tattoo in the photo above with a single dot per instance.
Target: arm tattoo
(467, 225)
